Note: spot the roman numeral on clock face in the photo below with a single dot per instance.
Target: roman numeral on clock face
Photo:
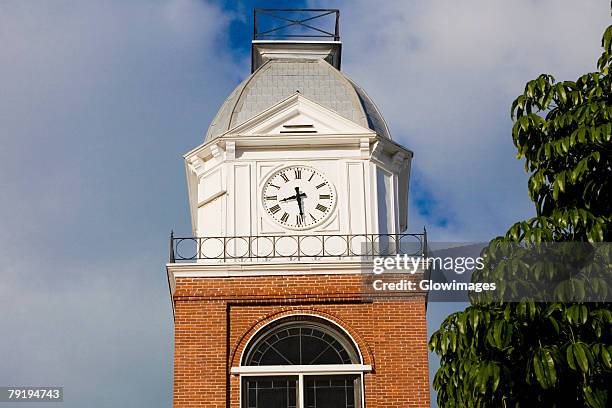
(275, 209)
(273, 198)
(285, 217)
(321, 208)
(324, 196)
(298, 173)
(284, 176)
(321, 185)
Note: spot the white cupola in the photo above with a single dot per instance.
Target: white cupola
(296, 123)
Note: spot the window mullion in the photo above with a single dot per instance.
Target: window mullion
(301, 392)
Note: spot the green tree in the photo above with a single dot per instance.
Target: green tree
(544, 354)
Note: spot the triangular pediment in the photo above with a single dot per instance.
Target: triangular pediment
(298, 115)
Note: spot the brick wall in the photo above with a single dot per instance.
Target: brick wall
(215, 318)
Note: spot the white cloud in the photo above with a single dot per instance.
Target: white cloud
(92, 94)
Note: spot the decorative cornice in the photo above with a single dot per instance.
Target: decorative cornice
(230, 269)
(197, 165)
(282, 268)
(364, 147)
(217, 151)
(230, 150)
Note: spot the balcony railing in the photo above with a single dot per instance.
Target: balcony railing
(287, 24)
(295, 247)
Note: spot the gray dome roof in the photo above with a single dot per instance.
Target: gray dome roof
(278, 79)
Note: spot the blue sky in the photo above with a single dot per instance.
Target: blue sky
(99, 100)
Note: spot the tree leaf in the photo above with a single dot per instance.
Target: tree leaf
(571, 360)
(580, 356)
(544, 368)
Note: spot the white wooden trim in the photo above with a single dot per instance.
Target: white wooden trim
(300, 375)
(362, 390)
(301, 393)
(262, 122)
(325, 369)
(219, 269)
(211, 198)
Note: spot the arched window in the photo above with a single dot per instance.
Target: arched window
(302, 343)
(301, 362)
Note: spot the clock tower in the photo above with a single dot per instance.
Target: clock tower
(296, 186)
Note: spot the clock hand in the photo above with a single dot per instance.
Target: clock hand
(288, 198)
(299, 196)
(300, 206)
(293, 197)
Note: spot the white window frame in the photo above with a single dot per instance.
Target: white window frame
(304, 370)
(301, 370)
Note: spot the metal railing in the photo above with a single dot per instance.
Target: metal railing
(292, 20)
(295, 247)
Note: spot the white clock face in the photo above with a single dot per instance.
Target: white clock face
(298, 197)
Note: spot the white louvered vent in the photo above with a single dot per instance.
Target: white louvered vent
(299, 128)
